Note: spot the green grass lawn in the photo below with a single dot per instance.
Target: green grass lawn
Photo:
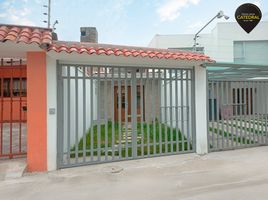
(165, 140)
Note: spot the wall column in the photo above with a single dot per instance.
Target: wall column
(201, 110)
(51, 117)
(36, 112)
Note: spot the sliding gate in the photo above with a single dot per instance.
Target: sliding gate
(237, 114)
(117, 113)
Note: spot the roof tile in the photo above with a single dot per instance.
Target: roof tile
(43, 37)
(26, 35)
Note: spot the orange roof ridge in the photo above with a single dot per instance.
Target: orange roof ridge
(43, 37)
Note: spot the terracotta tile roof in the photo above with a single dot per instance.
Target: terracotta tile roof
(25, 34)
(43, 37)
(107, 49)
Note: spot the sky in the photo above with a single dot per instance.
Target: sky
(123, 22)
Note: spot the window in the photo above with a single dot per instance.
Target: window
(19, 87)
(251, 52)
(83, 33)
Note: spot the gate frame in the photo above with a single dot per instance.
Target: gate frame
(60, 118)
(21, 67)
(236, 72)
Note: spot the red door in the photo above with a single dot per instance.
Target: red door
(13, 110)
(127, 106)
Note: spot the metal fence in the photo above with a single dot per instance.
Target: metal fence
(109, 114)
(237, 114)
(13, 107)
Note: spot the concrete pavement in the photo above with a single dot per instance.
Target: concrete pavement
(12, 168)
(240, 174)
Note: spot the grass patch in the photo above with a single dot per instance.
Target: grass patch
(152, 138)
(235, 138)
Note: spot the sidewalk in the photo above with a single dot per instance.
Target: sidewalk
(240, 174)
(12, 168)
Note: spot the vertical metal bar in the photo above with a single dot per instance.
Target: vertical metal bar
(232, 92)
(240, 113)
(193, 112)
(217, 113)
(160, 110)
(170, 111)
(142, 113)
(60, 117)
(227, 107)
(20, 101)
(91, 115)
(212, 114)
(236, 113)
(177, 110)
(134, 113)
(84, 114)
(119, 114)
(222, 118)
(98, 118)
(262, 111)
(68, 114)
(11, 112)
(76, 114)
(165, 110)
(126, 112)
(182, 113)
(187, 110)
(258, 110)
(253, 112)
(153, 110)
(106, 112)
(250, 110)
(244, 114)
(147, 116)
(113, 99)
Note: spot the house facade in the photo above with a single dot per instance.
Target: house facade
(90, 103)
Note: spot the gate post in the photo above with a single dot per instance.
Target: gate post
(36, 111)
(200, 100)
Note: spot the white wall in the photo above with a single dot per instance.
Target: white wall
(218, 44)
(51, 118)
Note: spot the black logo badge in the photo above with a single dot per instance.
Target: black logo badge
(248, 16)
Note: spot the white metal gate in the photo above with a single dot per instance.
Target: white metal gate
(109, 114)
(237, 114)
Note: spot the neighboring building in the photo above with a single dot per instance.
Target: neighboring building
(88, 34)
(227, 42)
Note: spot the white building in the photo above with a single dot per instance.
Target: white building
(227, 42)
